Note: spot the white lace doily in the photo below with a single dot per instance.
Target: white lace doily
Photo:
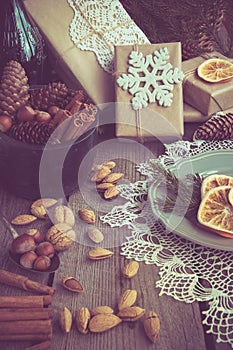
(98, 26)
(188, 272)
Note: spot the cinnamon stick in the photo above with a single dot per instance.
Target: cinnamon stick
(79, 97)
(41, 346)
(23, 301)
(22, 282)
(79, 123)
(28, 327)
(12, 314)
(18, 337)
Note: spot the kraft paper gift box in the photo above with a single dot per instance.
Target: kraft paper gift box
(192, 115)
(153, 121)
(206, 97)
(76, 67)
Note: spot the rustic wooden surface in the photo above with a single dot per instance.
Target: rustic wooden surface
(103, 282)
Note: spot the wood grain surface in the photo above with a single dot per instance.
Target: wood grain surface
(103, 282)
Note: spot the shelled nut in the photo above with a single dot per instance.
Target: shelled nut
(72, 284)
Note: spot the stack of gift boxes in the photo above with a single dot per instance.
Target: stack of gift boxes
(97, 46)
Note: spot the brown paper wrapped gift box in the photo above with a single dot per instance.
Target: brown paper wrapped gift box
(192, 115)
(164, 123)
(75, 67)
(206, 97)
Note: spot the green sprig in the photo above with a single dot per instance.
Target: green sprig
(182, 196)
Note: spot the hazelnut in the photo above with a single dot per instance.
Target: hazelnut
(42, 263)
(27, 259)
(52, 110)
(42, 116)
(5, 123)
(23, 244)
(36, 234)
(45, 248)
(25, 113)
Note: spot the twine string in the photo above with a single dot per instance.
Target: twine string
(193, 70)
(102, 31)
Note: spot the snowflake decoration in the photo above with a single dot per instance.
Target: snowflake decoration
(150, 78)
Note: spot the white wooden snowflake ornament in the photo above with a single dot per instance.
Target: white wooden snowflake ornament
(150, 78)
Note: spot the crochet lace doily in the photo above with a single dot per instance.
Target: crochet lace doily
(188, 272)
(98, 26)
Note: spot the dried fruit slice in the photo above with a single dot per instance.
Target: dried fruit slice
(216, 212)
(215, 70)
(215, 180)
(230, 196)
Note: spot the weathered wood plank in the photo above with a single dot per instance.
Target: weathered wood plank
(12, 206)
(103, 283)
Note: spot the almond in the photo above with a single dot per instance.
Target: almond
(101, 310)
(72, 284)
(82, 317)
(104, 186)
(110, 164)
(95, 235)
(87, 215)
(99, 253)
(24, 219)
(152, 325)
(111, 192)
(130, 269)
(46, 202)
(113, 177)
(65, 320)
(127, 298)
(103, 322)
(100, 174)
(132, 313)
(39, 211)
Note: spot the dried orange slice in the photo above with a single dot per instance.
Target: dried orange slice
(230, 196)
(215, 180)
(215, 212)
(215, 70)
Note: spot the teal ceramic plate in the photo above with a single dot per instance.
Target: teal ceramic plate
(212, 162)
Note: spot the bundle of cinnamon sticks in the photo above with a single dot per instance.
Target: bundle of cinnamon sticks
(26, 317)
(73, 121)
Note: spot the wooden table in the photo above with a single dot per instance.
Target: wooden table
(103, 282)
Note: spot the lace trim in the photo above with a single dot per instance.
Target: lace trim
(188, 272)
(100, 25)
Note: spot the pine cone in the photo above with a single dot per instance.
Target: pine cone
(189, 49)
(13, 89)
(216, 13)
(218, 127)
(55, 93)
(205, 42)
(31, 132)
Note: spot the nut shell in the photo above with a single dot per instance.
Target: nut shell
(61, 235)
(87, 215)
(62, 214)
(82, 318)
(72, 284)
(65, 320)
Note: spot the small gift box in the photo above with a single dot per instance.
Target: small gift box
(149, 92)
(81, 35)
(206, 97)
